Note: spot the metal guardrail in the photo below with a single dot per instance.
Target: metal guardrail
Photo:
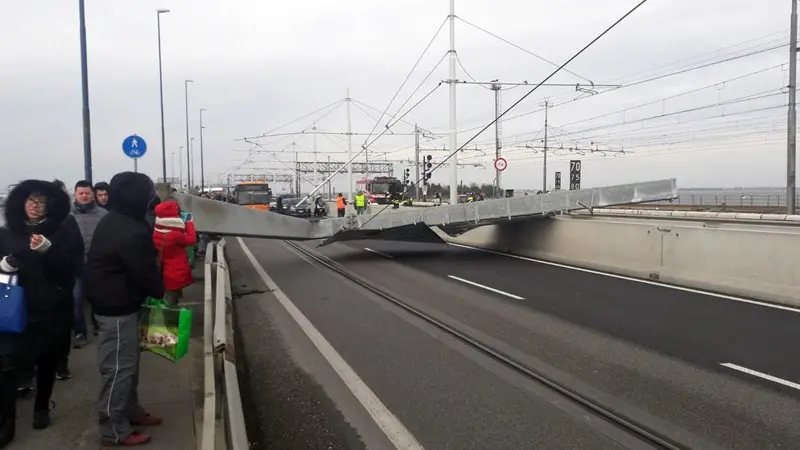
(222, 408)
(700, 215)
(210, 390)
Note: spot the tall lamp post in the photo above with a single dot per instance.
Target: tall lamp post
(202, 168)
(161, 92)
(87, 134)
(191, 161)
(188, 148)
(172, 164)
(180, 167)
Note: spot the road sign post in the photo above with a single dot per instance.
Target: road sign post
(500, 164)
(134, 147)
(575, 175)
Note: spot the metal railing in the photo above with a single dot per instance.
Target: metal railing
(731, 200)
(222, 408)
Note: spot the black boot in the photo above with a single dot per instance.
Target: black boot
(41, 419)
(7, 432)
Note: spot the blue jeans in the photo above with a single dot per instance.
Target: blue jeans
(79, 324)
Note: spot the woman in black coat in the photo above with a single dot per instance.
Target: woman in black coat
(40, 243)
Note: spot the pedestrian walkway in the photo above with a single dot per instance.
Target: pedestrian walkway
(170, 390)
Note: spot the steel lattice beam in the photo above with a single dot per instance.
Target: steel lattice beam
(373, 168)
(268, 177)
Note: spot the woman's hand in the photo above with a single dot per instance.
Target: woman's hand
(36, 241)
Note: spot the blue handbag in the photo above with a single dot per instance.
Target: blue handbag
(13, 307)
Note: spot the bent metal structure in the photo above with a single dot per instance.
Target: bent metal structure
(216, 217)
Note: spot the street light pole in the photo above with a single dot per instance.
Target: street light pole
(191, 161)
(161, 93)
(202, 169)
(172, 164)
(87, 134)
(188, 148)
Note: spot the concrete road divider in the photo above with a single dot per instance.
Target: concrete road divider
(741, 260)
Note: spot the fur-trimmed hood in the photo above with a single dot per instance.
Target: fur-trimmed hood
(58, 207)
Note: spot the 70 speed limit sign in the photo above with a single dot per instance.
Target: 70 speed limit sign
(500, 164)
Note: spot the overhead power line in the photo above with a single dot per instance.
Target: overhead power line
(519, 47)
(521, 99)
(402, 85)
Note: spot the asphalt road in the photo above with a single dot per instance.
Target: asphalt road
(656, 352)
(657, 349)
(447, 395)
(692, 326)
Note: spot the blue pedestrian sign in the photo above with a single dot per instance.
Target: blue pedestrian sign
(134, 147)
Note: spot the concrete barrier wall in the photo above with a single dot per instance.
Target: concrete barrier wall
(761, 262)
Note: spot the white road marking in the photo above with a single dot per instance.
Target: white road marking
(496, 291)
(378, 253)
(761, 375)
(397, 433)
(635, 280)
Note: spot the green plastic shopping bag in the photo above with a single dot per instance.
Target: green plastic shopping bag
(190, 252)
(164, 330)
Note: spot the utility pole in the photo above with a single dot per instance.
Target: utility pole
(497, 173)
(330, 188)
(296, 170)
(366, 160)
(87, 133)
(188, 148)
(316, 172)
(180, 167)
(452, 81)
(791, 145)
(544, 169)
(202, 168)
(416, 163)
(191, 162)
(349, 152)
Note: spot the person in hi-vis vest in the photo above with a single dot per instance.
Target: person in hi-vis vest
(341, 204)
(361, 202)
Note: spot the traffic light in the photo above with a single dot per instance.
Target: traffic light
(407, 176)
(426, 169)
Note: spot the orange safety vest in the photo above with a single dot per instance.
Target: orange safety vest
(340, 203)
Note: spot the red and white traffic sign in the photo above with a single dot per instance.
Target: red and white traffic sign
(500, 164)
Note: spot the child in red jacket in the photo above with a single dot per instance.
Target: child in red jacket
(171, 237)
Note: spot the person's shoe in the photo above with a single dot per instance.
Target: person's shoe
(80, 341)
(63, 373)
(25, 389)
(134, 439)
(41, 419)
(147, 420)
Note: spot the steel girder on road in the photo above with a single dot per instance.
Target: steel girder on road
(227, 219)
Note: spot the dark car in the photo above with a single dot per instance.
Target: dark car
(301, 210)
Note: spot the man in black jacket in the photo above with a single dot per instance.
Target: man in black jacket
(121, 272)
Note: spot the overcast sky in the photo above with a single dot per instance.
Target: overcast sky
(257, 65)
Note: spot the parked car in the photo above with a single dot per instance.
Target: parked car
(291, 207)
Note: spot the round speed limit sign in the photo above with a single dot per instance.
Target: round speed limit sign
(500, 164)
